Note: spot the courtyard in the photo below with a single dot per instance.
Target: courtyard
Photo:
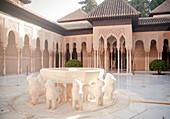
(139, 96)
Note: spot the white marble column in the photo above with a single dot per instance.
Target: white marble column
(50, 59)
(130, 60)
(63, 58)
(160, 55)
(127, 61)
(121, 58)
(79, 56)
(89, 60)
(105, 58)
(59, 58)
(148, 60)
(54, 57)
(118, 59)
(95, 63)
(18, 61)
(21, 61)
(70, 55)
(97, 60)
(111, 62)
(4, 61)
(42, 58)
(33, 61)
(115, 58)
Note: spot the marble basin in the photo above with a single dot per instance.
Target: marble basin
(67, 75)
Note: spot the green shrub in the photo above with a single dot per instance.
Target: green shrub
(158, 65)
(73, 63)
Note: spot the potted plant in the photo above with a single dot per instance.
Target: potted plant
(158, 65)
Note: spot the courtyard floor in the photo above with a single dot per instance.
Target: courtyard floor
(139, 96)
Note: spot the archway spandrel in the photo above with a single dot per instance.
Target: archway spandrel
(12, 25)
(16, 36)
(167, 36)
(117, 32)
(28, 30)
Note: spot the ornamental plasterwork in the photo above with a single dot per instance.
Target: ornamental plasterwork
(46, 35)
(153, 36)
(13, 25)
(28, 30)
(1, 21)
(105, 31)
(139, 37)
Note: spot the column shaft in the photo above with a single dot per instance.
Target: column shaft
(130, 61)
(105, 58)
(95, 59)
(4, 61)
(41, 58)
(54, 58)
(118, 60)
(148, 60)
(59, 55)
(127, 62)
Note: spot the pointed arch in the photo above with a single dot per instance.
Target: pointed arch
(101, 53)
(139, 56)
(111, 35)
(67, 52)
(1, 54)
(26, 55)
(153, 54)
(74, 53)
(123, 60)
(57, 55)
(38, 56)
(11, 54)
(46, 55)
(84, 54)
(166, 53)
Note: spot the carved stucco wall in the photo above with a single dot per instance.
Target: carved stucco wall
(147, 37)
(149, 54)
(78, 39)
(21, 29)
(116, 31)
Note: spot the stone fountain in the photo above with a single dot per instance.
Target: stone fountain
(71, 93)
(79, 84)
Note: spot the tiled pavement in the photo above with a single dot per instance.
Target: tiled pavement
(139, 96)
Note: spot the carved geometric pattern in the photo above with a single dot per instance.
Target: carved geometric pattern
(47, 35)
(153, 37)
(106, 31)
(28, 30)
(139, 37)
(1, 21)
(13, 25)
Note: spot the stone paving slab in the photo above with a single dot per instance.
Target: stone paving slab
(135, 94)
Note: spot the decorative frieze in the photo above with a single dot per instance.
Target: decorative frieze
(117, 32)
(1, 21)
(28, 30)
(139, 37)
(13, 25)
(153, 36)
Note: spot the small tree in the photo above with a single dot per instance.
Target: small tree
(73, 63)
(158, 65)
(88, 5)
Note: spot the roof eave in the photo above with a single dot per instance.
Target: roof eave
(64, 21)
(158, 13)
